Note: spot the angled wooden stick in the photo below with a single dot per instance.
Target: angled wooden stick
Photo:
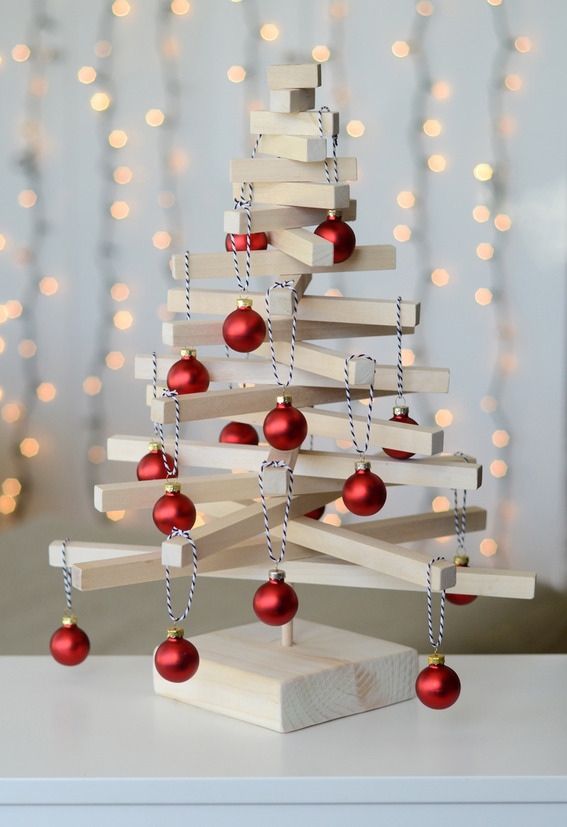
(268, 217)
(292, 100)
(266, 170)
(263, 122)
(301, 194)
(223, 302)
(294, 147)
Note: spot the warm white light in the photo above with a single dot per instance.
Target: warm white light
(498, 468)
(355, 129)
(441, 90)
(406, 199)
(500, 438)
(440, 277)
(443, 418)
(21, 52)
(437, 163)
(27, 198)
(440, 504)
(400, 48)
(122, 175)
(46, 392)
(154, 117)
(502, 222)
(48, 286)
(121, 8)
(483, 172)
(180, 7)
(100, 101)
(87, 74)
(432, 128)
(119, 210)
(123, 320)
(29, 447)
(161, 240)
(483, 296)
(488, 547)
(269, 31)
(481, 213)
(236, 74)
(402, 233)
(119, 291)
(118, 138)
(92, 385)
(485, 251)
(321, 54)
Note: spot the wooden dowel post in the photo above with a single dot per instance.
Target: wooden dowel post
(287, 634)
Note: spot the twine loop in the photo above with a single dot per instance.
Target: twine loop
(176, 532)
(289, 285)
(276, 464)
(361, 451)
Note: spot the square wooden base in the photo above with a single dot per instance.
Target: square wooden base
(328, 673)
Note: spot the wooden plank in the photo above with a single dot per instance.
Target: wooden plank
(276, 478)
(222, 302)
(301, 194)
(323, 361)
(264, 122)
(366, 258)
(77, 551)
(294, 76)
(294, 147)
(270, 170)
(268, 217)
(292, 100)
(359, 311)
(415, 527)
(305, 246)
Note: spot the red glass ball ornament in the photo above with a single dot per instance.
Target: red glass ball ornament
(340, 234)
(285, 427)
(69, 645)
(364, 493)
(244, 330)
(176, 659)
(460, 599)
(174, 510)
(239, 433)
(151, 466)
(400, 415)
(188, 375)
(275, 602)
(438, 686)
(258, 241)
(316, 514)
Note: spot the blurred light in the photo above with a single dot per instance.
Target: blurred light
(27, 348)
(115, 516)
(118, 138)
(119, 291)
(170, 47)
(333, 291)
(500, 438)
(161, 240)
(321, 54)
(437, 163)
(406, 199)
(180, 7)
(163, 314)
(13, 308)
(178, 160)
(3, 313)
(102, 48)
(87, 74)
(21, 52)
(338, 10)
(502, 222)
(122, 175)
(494, 2)
(92, 385)
(507, 125)
(355, 129)
(425, 8)
(440, 504)
(408, 357)
(236, 74)
(48, 286)
(46, 392)
(441, 90)
(483, 172)
(339, 505)
(119, 210)
(120, 8)
(2, 348)
(11, 412)
(123, 320)
(11, 486)
(344, 444)
(440, 277)
(400, 48)
(154, 117)
(432, 128)
(269, 31)
(513, 82)
(508, 362)
(27, 198)
(481, 213)
(2, 241)
(115, 360)
(483, 296)
(100, 101)
(443, 418)
(401, 233)
(485, 251)
(488, 547)
(29, 447)
(498, 468)
(488, 404)
(38, 86)
(331, 519)
(523, 44)
(7, 504)
(96, 454)
(166, 199)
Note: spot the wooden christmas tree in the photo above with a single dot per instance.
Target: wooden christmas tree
(273, 674)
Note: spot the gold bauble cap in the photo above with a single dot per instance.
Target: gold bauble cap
(362, 465)
(69, 620)
(154, 446)
(243, 303)
(175, 632)
(187, 352)
(277, 574)
(401, 410)
(461, 560)
(334, 214)
(172, 487)
(436, 659)
(284, 400)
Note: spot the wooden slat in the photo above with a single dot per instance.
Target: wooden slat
(264, 122)
(268, 217)
(255, 170)
(301, 194)
(415, 527)
(305, 246)
(323, 361)
(222, 302)
(294, 147)
(294, 76)
(292, 100)
(359, 311)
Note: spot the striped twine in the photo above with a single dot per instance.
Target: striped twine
(275, 464)
(335, 141)
(246, 204)
(401, 399)
(460, 523)
(361, 451)
(178, 533)
(171, 472)
(290, 286)
(66, 575)
(433, 642)
(187, 287)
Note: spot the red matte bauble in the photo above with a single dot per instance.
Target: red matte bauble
(174, 510)
(258, 241)
(244, 330)
(460, 599)
(438, 686)
(151, 466)
(176, 659)
(316, 514)
(340, 234)
(239, 433)
(364, 493)
(188, 375)
(275, 602)
(400, 454)
(69, 645)
(285, 427)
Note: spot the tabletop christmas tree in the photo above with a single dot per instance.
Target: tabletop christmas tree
(290, 222)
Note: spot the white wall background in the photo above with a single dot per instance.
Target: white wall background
(462, 44)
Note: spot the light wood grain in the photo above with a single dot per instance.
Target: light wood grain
(256, 170)
(292, 100)
(305, 246)
(294, 147)
(294, 76)
(268, 217)
(264, 122)
(299, 194)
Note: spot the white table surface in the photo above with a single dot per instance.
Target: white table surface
(96, 735)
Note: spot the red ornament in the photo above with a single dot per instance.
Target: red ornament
(188, 375)
(258, 241)
(174, 510)
(151, 466)
(176, 659)
(460, 599)
(239, 433)
(285, 427)
(316, 514)
(437, 686)
(244, 330)
(364, 493)
(400, 415)
(275, 602)
(334, 229)
(69, 645)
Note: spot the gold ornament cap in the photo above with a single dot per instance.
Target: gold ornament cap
(436, 659)
(461, 560)
(401, 410)
(172, 487)
(69, 620)
(334, 214)
(277, 574)
(175, 632)
(154, 446)
(284, 400)
(243, 303)
(187, 352)
(362, 465)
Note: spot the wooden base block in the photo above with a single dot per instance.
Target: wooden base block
(328, 673)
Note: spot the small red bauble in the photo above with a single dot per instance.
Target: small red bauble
(69, 645)
(176, 659)
(244, 330)
(316, 514)
(340, 234)
(174, 510)
(285, 427)
(400, 415)
(460, 599)
(275, 602)
(258, 241)
(188, 375)
(364, 493)
(239, 433)
(437, 686)
(151, 466)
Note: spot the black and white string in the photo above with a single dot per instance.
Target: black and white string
(158, 427)
(66, 575)
(361, 451)
(246, 205)
(460, 518)
(435, 643)
(276, 464)
(178, 533)
(335, 143)
(288, 285)
(400, 367)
